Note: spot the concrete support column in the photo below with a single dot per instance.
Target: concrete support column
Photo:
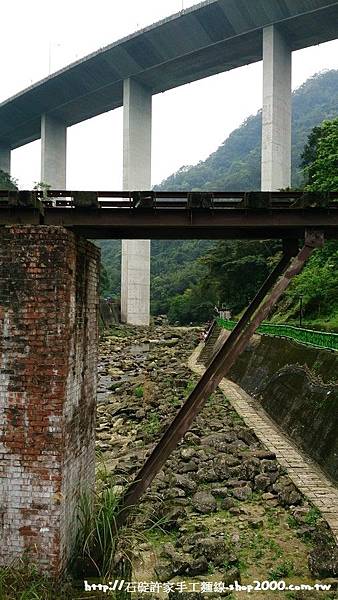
(48, 380)
(53, 152)
(5, 158)
(276, 116)
(135, 268)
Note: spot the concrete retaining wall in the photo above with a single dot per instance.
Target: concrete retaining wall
(297, 386)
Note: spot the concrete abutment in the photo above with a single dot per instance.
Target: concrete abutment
(48, 365)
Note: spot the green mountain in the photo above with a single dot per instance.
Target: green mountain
(234, 166)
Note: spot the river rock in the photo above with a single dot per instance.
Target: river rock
(187, 453)
(242, 493)
(186, 483)
(204, 502)
(212, 549)
(262, 482)
(286, 492)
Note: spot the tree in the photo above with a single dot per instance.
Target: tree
(7, 182)
(236, 269)
(318, 283)
(105, 283)
(320, 158)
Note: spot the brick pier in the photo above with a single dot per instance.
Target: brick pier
(48, 355)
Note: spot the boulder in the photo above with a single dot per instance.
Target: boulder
(286, 492)
(188, 467)
(223, 464)
(222, 492)
(204, 502)
(188, 453)
(213, 549)
(206, 474)
(246, 435)
(261, 482)
(186, 483)
(228, 503)
(261, 454)
(242, 493)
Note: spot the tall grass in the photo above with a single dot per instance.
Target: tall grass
(100, 550)
(23, 581)
(97, 540)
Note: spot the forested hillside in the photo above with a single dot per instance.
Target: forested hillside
(234, 166)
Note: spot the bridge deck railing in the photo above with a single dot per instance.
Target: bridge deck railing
(261, 201)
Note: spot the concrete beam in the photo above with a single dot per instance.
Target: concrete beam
(5, 158)
(276, 116)
(135, 267)
(53, 152)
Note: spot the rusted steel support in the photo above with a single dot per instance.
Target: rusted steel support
(259, 309)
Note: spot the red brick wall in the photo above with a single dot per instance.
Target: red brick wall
(48, 355)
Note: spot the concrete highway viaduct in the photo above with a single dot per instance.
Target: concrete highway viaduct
(212, 37)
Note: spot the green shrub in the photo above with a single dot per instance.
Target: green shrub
(284, 569)
(139, 392)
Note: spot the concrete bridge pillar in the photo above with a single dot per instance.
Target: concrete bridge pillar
(135, 268)
(53, 152)
(5, 158)
(276, 116)
(48, 362)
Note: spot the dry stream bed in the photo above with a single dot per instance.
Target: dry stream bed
(222, 509)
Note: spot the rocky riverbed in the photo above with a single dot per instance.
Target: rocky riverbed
(222, 509)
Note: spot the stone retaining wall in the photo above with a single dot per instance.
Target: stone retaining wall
(298, 388)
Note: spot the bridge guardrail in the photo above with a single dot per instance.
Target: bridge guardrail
(309, 337)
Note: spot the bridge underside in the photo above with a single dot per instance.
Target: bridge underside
(210, 38)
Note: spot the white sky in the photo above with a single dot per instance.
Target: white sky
(38, 36)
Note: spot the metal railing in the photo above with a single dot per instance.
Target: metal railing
(317, 339)
(242, 201)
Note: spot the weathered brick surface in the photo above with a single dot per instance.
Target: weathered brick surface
(48, 355)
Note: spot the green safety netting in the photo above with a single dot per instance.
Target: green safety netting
(319, 339)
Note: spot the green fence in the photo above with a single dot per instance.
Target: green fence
(319, 339)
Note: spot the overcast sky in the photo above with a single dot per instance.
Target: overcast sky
(41, 36)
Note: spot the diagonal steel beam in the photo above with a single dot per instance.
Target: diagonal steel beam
(233, 346)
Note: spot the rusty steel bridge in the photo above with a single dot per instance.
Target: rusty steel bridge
(175, 215)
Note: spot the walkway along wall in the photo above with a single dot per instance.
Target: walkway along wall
(48, 355)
